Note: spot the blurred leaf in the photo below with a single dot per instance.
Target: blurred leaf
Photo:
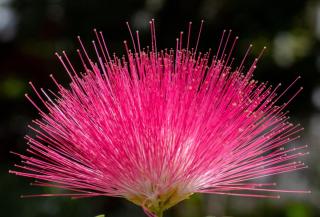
(298, 210)
(12, 87)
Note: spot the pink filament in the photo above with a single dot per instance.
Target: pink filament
(166, 118)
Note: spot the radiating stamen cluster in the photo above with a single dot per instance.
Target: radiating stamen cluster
(156, 127)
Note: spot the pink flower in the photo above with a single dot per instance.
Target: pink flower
(156, 126)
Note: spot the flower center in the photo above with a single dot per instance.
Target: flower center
(159, 202)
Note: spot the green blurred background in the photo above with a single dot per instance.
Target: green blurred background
(32, 30)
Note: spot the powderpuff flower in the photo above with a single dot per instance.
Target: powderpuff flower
(157, 126)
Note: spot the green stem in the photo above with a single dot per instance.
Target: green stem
(159, 214)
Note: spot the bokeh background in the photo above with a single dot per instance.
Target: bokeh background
(32, 30)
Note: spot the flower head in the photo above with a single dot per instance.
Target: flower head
(156, 127)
